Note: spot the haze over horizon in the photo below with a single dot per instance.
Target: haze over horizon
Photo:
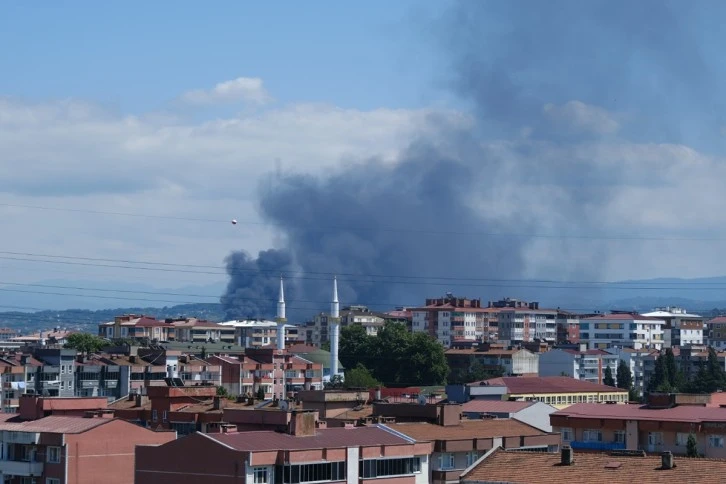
(396, 143)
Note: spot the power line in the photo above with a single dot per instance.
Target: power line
(336, 228)
(404, 279)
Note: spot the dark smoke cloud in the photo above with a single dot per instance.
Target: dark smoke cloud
(510, 60)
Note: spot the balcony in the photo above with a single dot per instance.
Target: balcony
(21, 468)
(601, 446)
(20, 437)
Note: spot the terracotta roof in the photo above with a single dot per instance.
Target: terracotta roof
(53, 424)
(494, 406)
(685, 413)
(334, 438)
(622, 317)
(467, 429)
(301, 349)
(547, 384)
(718, 319)
(527, 467)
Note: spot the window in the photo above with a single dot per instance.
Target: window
(681, 439)
(164, 415)
(471, 457)
(259, 475)
(54, 455)
(322, 472)
(154, 415)
(715, 441)
(52, 480)
(446, 461)
(592, 435)
(390, 467)
(655, 438)
(619, 436)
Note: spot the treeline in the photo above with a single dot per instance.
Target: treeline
(394, 357)
(668, 377)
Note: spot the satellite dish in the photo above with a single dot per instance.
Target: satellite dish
(422, 399)
(284, 406)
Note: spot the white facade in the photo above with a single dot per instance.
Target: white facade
(452, 325)
(623, 331)
(524, 325)
(256, 333)
(588, 365)
(637, 361)
(682, 328)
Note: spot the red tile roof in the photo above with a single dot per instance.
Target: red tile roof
(547, 384)
(719, 319)
(533, 467)
(685, 413)
(334, 438)
(494, 406)
(467, 429)
(52, 424)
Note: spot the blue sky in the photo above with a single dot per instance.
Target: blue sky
(138, 55)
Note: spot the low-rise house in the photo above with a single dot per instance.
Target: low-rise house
(591, 426)
(512, 361)
(458, 446)
(62, 449)
(307, 452)
(536, 414)
(500, 465)
(558, 391)
(582, 364)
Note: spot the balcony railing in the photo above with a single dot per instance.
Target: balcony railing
(21, 468)
(584, 445)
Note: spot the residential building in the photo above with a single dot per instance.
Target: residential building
(582, 364)
(512, 361)
(640, 362)
(568, 327)
(307, 452)
(258, 333)
(458, 446)
(558, 391)
(7, 333)
(331, 403)
(534, 413)
(592, 426)
(63, 449)
(451, 320)
(55, 336)
(187, 330)
(716, 332)
(399, 315)
(624, 330)
(318, 331)
(317, 356)
(524, 322)
(500, 465)
(681, 328)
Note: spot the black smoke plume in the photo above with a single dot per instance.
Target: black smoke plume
(542, 79)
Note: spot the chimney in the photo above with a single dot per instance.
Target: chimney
(141, 400)
(378, 393)
(217, 403)
(302, 424)
(568, 457)
(667, 460)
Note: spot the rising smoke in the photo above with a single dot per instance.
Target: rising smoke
(546, 82)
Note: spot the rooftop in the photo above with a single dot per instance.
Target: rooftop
(686, 413)
(546, 384)
(622, 317)
(323, 439)
(467, 429)
(53, 424)
(494, 406)
(526, 467)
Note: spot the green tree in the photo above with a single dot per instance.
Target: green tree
(624, 376)
(691, 446)
(85, 343)
(660, 381)
(354, 346)
(336, 382)
(360, 377)
(671, 369)
(260, 393)
(609, 380)
(222, 392)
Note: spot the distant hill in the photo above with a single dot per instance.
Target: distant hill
(88, 320)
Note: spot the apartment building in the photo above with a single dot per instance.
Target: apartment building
(317, 331)
(513, 361)
(8, 333)
(640, 362)
(536, 414)
(513, 467)
(715, 332)
(451, 320)
(582, 364)
(598, 427)
(187, 330)
(558, 391)
(681, 328)
(568, 327)
(624, 330)
(524, 322)
(258, 333)
(307, 452)
(63, 449)
(459, 445)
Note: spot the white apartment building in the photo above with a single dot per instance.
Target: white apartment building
(681, 328)
(587, 365)
(624, 330)
(524, 325)
(448, 324)
(639, 362)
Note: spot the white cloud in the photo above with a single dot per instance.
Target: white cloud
(242, 89)
(581, 117)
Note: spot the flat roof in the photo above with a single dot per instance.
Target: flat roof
(682, 413)
(527, 467)
(547, 384)
(467, 429)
